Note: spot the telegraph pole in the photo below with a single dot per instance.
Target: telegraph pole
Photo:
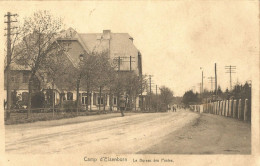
(142, 99)
(150, 82)
(216, 84)
(156, 100)
(202, 77)
(150, 90)
(9, 54)
(122, 59)
(230, 69)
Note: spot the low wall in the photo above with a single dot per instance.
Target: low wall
(239, 109)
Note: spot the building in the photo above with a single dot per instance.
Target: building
(120, 49)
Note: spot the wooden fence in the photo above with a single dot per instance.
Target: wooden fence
(239, 109)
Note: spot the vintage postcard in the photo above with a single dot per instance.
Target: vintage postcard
(129, 83)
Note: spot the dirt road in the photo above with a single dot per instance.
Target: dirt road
(209, 134)
(181, 132)
(120, 135)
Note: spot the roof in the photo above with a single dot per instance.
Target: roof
(120, 43)
(117, 44)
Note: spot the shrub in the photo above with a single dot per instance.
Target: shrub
(69, 105)
(37, 100)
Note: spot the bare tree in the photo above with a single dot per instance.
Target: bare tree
(97, 73)
(39, 34)
(59, 71)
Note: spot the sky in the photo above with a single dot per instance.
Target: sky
(176, 38)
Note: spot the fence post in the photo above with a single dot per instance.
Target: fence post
(221, 107)
(239, 109)
(245, 110)
(229, 108)
(216, 109)
(211, 106)
(224, 107)
(213, 109)
(234, 108)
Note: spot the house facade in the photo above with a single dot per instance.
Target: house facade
(121, 51)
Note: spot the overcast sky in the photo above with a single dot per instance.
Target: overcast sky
(175, 38)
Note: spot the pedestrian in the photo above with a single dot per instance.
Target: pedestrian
(122, 107)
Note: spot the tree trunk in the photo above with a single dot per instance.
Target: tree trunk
(105, 103)
(118, 101)
(87, 104)
(53, 99)
(88, 97)
(99, 99)
(61, 100)
(110, 100)
(77, 102)
(90, 107)
(29, 97)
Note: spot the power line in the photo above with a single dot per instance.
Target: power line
(211, 81)
(230, 69)
(216, 83)
(121, 59)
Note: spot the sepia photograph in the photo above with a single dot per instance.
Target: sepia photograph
(129, 82)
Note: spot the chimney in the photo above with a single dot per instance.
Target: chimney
(132, 39)
(106, 34)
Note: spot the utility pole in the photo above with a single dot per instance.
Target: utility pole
(156, 100)
(9, 54)
(122, 59)
(150, 82)
(211, 82)
(202, 77)
(150, 91)
(216, 84)
(230, 69)
(142, 99)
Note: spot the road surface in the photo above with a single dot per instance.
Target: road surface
(209, 134)
(120, 135)
(181, 132)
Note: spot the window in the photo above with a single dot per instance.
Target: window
(25, 97)
(13, 78)
(69, 96)
(114, 101)
(84, 98)
(100, 101)
(25, 77)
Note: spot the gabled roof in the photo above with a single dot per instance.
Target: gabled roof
(119, 44)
